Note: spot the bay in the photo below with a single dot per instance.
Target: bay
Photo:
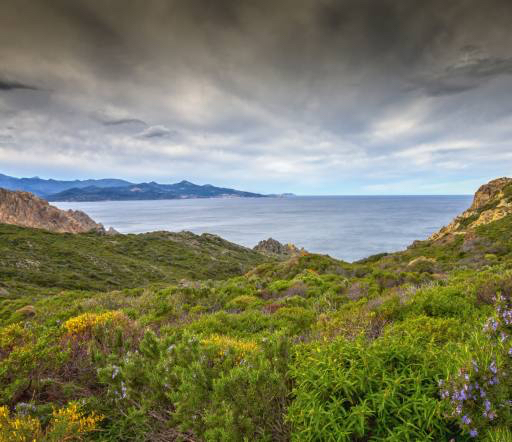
(345, 227)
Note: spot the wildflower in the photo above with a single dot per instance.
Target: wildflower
(85, 322)
(466, 420)
(473, 433)
(493, 368)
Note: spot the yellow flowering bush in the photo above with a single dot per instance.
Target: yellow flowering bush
(71, 420)
(226, 343)
(12, 336)
(67, 424)
(18, 428)
(87, 321)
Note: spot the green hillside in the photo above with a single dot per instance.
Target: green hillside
(409, 346)
(34, 260)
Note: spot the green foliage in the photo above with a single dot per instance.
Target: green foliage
(380, 390)
(479, 393)
(32, 258)
(167, 338)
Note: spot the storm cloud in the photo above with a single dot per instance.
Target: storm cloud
(308, 96)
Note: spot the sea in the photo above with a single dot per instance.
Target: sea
(344, 227)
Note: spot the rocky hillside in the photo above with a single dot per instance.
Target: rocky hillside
(272, 247)
(492, 201)
(27, 210)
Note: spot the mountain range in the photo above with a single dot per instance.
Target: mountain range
(117, 190)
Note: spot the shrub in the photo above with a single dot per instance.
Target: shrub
(66, 424)
(86, 322)
(380, 390)
(479, 394)
(243, 302)
(219, 388)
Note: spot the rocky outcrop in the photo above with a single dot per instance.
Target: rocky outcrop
(272, 247)
(492, 202)
(27, 210)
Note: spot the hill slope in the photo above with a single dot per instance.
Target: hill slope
(33, 259)
(27, 210)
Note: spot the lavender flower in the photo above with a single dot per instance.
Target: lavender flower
(466, 419)
(473, 433)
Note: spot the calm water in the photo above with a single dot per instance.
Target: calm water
(346, 227)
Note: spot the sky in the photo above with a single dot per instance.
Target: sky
(304, 96)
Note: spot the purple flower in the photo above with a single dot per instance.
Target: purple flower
(493, 381)
(487, 405)
(475, 365)
(493, 368)
(473, 433)
(466, 420)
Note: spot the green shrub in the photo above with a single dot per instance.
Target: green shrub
(382, 390)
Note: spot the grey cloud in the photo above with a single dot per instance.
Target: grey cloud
(116, 118)
(156, 132)
(9, 85)
(307, 89)
(467, 75)
(124, 121)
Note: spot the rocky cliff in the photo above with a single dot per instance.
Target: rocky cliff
(492, 202)
(27, 210)
(272, 247)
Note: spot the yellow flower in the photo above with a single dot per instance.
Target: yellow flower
(224, 343)
(86, 321)
(68, 423)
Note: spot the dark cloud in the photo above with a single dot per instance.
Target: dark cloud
(156, 132)
(124, 121)
(9, 85)
(264, 92)
(468, 74)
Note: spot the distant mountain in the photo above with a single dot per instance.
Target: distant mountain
(150, 191)
(117, 190)
(43, 188)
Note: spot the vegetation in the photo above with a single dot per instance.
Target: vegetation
(36, 261)
(101, 340)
